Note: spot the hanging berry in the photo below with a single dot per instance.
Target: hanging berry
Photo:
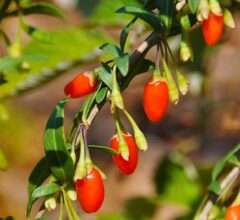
(125, 166)
(90, 191)
(233, 212)
(212, 28)
(155, 99)
(82, 85)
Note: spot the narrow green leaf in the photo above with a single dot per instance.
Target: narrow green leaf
(233, 160)
(125, 32)
(111, 49)
(101, 94)
(122, 63)
(88, 103)
(46, 190)
(41, 8)
(220, 164)
(40, 173)
(55, 145)
(104, 148)
(215, 187)
(145, 15)
(193, 5)
(3, 161)
(166, 12)
(105, 76)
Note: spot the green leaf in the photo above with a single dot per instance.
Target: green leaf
(46, 190)
(111, 49)
(166, 12)
(105, 76)
(104, 148)
(221, 164)
(215, 187)
(41, 8)
(125, 32)
(193, 5)
(55, 145)
(3, 161)
(122, 63)
(145, 15)
(101, 94)
(39, 174)
(88, 103)
(233, 160)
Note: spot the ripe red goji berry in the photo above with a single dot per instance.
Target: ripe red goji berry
(233, 213)
(126, 167)
(155, 99)
(81, 85)
(212, 28)
(90, 191)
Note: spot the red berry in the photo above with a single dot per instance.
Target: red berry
(233, 213)
(81, 85)
(212, 28)
(126, 167)
(90, 191)
(155, 99)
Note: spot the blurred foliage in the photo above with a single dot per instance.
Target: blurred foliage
(177, 180)
(3, 161)
(18, 134)
(106, 9)
(140, 208)
(47, 61)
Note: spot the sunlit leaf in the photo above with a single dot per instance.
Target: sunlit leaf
(45, 190)
(55, 145)
(104, 148)
(145, 15)
(41, 8)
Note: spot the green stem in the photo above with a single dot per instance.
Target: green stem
(61, 208)
(69, 212)
(72, 209)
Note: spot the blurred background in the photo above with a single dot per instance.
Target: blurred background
(183, 146)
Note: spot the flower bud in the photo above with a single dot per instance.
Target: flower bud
(50, 203)
(215, 7)
(228, 18)
(72, 194)
(182, 82)
(173, 90)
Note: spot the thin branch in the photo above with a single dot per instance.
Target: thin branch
(212, 197)
(142, 49)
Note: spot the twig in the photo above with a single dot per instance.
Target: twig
(212, 197)
(143, 48)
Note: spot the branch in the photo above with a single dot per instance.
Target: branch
(212, 197)
(136, 56)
